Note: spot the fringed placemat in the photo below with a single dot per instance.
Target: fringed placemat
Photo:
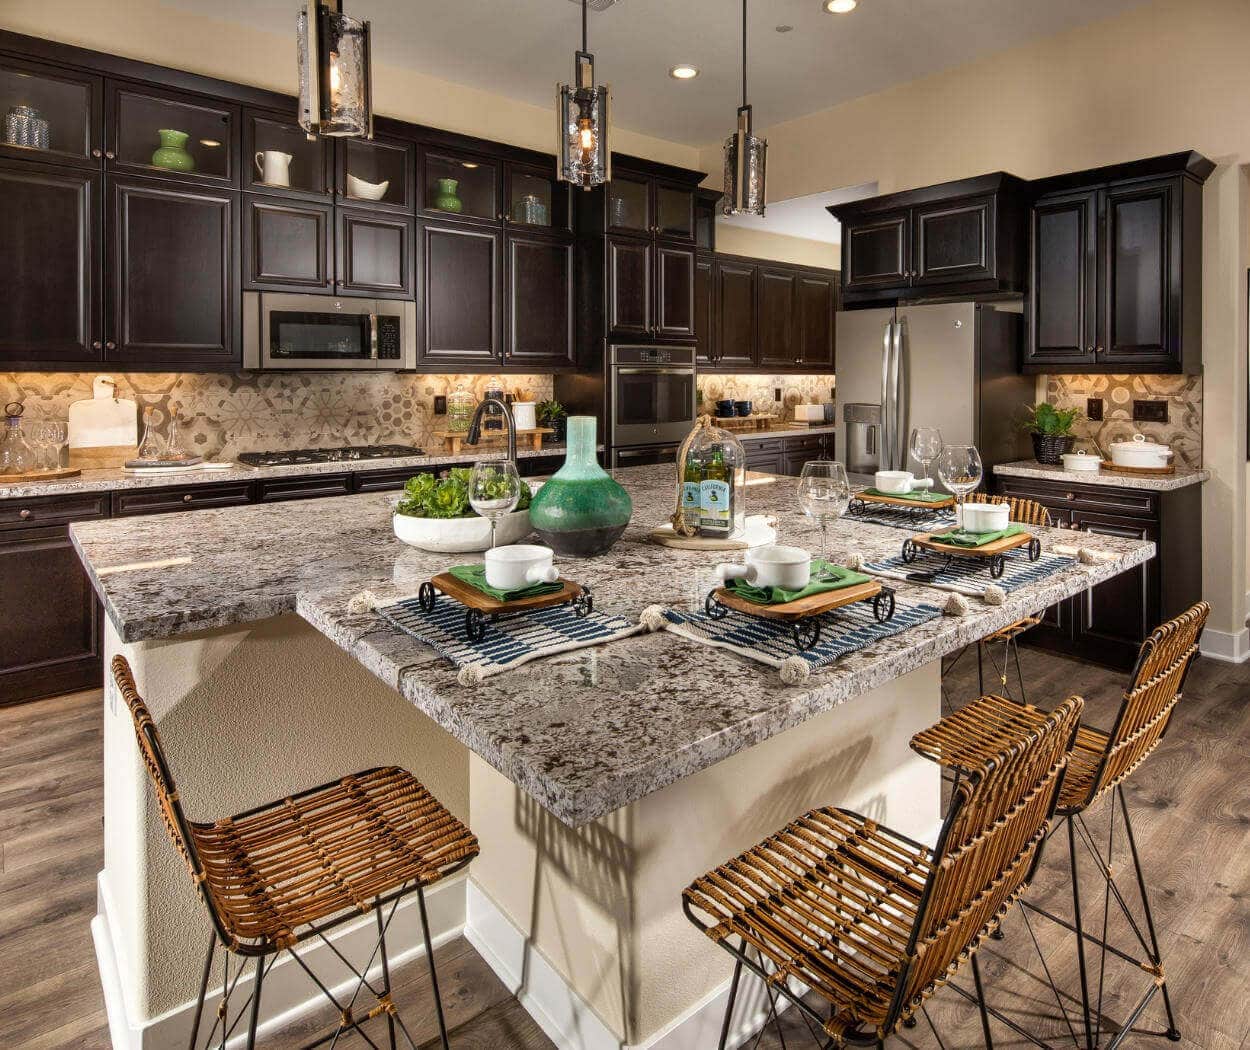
(508, 643)
(969, 576)
(846, 630)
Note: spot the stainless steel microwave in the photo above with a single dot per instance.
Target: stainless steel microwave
(321, 332)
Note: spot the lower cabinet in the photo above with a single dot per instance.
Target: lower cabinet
(1107, 623)
(787, 455)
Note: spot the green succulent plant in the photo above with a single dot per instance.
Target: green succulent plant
(1045, 419)
(428, 496)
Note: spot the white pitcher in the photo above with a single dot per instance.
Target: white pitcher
(274, 167)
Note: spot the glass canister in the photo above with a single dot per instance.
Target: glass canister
(717, 460)
(460, 406)
(493, 419)
(16, 455)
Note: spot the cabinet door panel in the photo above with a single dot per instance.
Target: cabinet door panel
(704, 313)
(775, 317)
(875, 252)
(374, 254)
(629, 286)
(1140, 264)
(202, 134)
(50, 251)
(287, 245)
(674, 292)
(816, 304)
(1063, 276)
(69, 101)
(539, 301)
(953, 242)
(460, 283)
(1115, 616)
(674, 212)
(629, 205)
(735, 296)
(172, 293)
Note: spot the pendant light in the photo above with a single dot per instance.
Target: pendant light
(335, 74)
(744, 154)
(583, 156)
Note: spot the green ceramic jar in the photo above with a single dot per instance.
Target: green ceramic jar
(582, 510)
(446, 199)
(172, 154)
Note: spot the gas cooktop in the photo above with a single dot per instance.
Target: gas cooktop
(295, 456)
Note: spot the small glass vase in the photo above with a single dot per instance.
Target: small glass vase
(582, 510)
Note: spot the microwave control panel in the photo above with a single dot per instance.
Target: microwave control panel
(388, 337)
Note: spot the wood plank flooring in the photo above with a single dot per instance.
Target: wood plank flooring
(1191, 807)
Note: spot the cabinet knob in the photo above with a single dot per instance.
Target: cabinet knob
(110, 345)
(110, 155)
(1089, 349)
(96, 344)
(1098, 349)
(97, 153)
(186, 498)
(1069, 495)
(24, 514)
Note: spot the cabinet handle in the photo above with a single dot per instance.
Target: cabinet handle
(97, 153)
(186, 498)
(1089, 349)
(96, 344)
(110, 345)
(24, 514)
(1069, 495)
(1098, 349)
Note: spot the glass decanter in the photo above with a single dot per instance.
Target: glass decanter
(16, 455)
(173, 444)
(150, 447)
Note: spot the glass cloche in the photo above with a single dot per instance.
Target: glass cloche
(714, 491)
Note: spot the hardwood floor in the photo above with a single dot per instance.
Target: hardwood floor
(1191, 808)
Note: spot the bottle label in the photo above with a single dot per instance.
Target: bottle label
(690, 501)
(714, 510)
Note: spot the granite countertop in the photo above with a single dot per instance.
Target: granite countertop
(785, 430)
(116, 479)
(584, 733)
(1030, 468)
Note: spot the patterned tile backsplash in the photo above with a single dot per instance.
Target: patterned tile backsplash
(1183, 430)
(795, 390)
(223, 415)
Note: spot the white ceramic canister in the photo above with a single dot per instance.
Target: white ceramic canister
(524, 415)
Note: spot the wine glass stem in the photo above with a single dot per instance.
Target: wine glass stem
(492, 532)
(824, 543)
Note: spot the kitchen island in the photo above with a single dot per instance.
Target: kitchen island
(599, 782)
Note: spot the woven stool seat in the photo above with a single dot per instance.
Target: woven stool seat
(830, 900)
(335, 848)
(1013, 630)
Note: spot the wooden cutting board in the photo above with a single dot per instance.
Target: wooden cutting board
(104, 429)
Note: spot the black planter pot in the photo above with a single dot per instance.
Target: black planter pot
(1047, 448)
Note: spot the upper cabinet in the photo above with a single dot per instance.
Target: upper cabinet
(645, 206)
(958, 238)
(375, 173)
(279, 158)
(167, 134)
(1115, 275)
(51, 115)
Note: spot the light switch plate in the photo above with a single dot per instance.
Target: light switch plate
(1151, 411)
(1093, 409)
(440, 404)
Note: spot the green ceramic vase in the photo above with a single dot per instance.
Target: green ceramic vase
(172, 154)
(582, 510)
(446, 200)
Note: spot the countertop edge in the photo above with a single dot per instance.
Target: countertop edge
(1184, 477)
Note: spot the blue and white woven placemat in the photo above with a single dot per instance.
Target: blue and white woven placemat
(507, 643)
(922, 519)
(842, 631)
(971, 575)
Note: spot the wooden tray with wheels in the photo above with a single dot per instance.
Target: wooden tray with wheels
(802, 614)
(995, 552)
(481, 609)
(865, 498)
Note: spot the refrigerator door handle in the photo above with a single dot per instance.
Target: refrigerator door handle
(887, 353)
(900, 403)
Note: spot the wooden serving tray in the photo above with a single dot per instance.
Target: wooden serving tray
(1143, 471)
(990, 550)
(472, 598)
(40, 475)
(910, 504)
(812, 605)
(454, 440)
(755, 421)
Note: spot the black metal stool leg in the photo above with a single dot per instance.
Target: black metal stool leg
(1080, 935)
(1015, 648)
(1173, 1032)
(255, 1012)
(733, 996)
(985, 1016)
(386, 976)
(199, 1003)
(429, 954)
(980, 672)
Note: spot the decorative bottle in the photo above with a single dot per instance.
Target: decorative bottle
(690, 491)
(716, 515)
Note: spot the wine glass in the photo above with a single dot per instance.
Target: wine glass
(824, 494)
(959, 467)
(494, 490)
(56, 433)
(926, 446)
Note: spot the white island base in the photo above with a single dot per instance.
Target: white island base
(583, 925)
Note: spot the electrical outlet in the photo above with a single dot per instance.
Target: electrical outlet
(777, 393)
(1153, 411)
(1093, 408)
(440, 404)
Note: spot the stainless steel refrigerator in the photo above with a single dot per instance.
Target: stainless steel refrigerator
(954, 366)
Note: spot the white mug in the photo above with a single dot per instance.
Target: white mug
(518, 565)
(983, 517)
(899, 482)
(773, 566)
(274, 167)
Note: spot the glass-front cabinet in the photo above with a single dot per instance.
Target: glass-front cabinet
(279, 158)
(49, 115)
(535, 198)
(375, 173)
(674, 212)
(167, 134)
(629, 205)
(460, 185)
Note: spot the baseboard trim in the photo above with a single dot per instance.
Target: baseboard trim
(1229, 646)
(288, 991)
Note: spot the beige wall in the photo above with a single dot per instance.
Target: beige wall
(153, 32)
(738, 240)
(1169, 76)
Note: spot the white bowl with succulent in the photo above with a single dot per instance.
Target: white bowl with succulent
(434, 514)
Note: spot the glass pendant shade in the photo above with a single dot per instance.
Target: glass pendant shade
(745, 162)
(582, 118)
(335, 78)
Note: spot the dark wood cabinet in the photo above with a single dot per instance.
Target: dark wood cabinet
(288, 245)
(1115, 269)
(539, 297)
(373, 254)
(133, 502)
(952, 242)
(705, 312)
(645, 206)
(69, 99)
(310, 172)
(797, 452)
(876, 252)
(311, 486)
(50, 252)
(173, 296)
(628, 290)
(775, 291)
(765, 455)
(736, 305)
(674, 292)
(461, 284)
(816, 305)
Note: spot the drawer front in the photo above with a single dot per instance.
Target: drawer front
(765, 462)
(199, 497)
(1135, 503)
(763, 447)
(52, 510)
(274, 490)
(812, 445)
(387, 480)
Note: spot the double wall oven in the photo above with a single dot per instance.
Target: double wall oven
(651, 402)
(309, 332)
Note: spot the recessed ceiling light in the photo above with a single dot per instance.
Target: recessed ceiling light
(683, 72)
(784, 29)
(839, 7)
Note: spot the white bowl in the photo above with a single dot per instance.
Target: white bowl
(1080, 462)
(366, 191)
(1140, 453)
(896, 481)
(772, 566)
(519, 565)
(985, 517)
(459, 535)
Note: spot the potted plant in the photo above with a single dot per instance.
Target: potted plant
(434, 514)
(1051, 430)
(552, 414)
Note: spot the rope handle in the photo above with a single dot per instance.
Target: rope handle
(680, 526)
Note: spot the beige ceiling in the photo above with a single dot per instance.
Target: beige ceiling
(521, 48)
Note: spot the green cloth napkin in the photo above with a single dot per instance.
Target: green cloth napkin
(919, 495)
(475, 576)
(840, 578)
(959, 538)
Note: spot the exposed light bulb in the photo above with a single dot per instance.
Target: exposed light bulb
(586, 134)
(336, 78)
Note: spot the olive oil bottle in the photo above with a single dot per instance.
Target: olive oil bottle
(716, 515)
(690, 491)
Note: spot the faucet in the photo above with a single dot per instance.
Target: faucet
(475, 427)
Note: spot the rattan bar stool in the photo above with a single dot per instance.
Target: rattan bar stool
(872, 922)
(1099, 765)
(286, 873)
